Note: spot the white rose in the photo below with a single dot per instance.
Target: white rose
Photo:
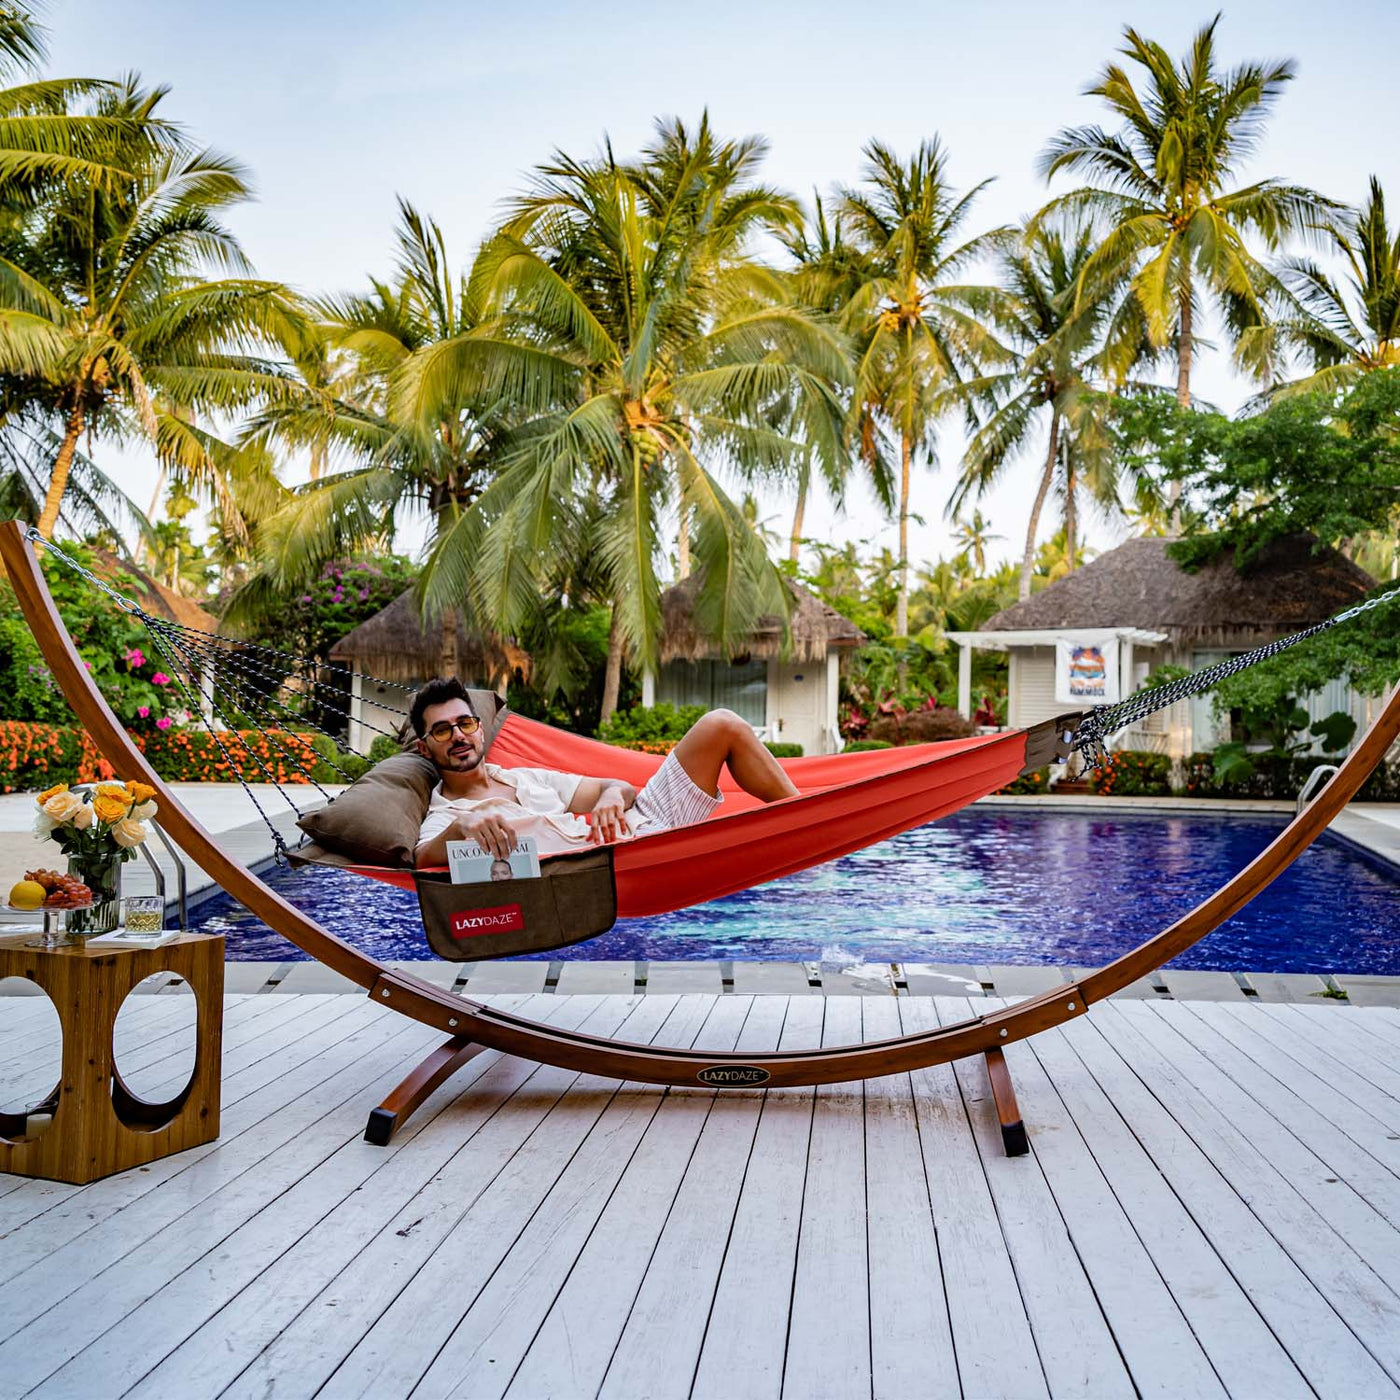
(82, 818)
(63, 806)
(43, 826)
(144, 811)
(128, 833)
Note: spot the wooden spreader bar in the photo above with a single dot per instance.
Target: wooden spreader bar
(467, 1021)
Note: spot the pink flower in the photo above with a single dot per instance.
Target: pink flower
(88, 664)
(164, 722)
(135, 658)
(144, 711)
(160, 678)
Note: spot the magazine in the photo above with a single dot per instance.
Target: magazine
(470, 865)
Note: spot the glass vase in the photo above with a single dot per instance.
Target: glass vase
(102, 874)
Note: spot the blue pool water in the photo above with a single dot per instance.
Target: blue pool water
(987, 886)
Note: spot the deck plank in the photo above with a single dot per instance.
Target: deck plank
(829, 1330)
(1304, 1155)
(1246, 1035)
(249, 1071)
(298, 1357)
(595, 1202)
(1163, 1356)
(741, 1347)
(571, 1352)
(153, 1242)
(395, 1352)
(911, 1340)
(1323, 1347)
(399, 1179)
(996, 1353)
(1072, 1337)
(1242, 1349)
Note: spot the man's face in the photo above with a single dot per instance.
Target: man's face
(451, 750)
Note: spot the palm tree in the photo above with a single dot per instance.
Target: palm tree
(1164, 187)
(1348, 328)
(642, 349)
(975, 535)
(827, 273)
(109, 322)
(1063, 346)
(916, 326)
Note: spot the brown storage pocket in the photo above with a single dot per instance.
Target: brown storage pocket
(574, 899)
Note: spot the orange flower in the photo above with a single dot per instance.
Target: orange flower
(140, 792)
(113, 790)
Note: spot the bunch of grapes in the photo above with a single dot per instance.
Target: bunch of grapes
(61, 891)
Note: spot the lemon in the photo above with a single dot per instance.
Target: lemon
(27, 894)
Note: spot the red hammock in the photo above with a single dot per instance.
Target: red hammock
(846, 801)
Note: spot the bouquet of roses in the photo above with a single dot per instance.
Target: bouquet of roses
(98, 825)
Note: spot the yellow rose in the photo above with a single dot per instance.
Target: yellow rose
(140, 792)
(110, 809)
(112, 790)
(144, 811)
(51, 792)
(128, 833)
(62, 806)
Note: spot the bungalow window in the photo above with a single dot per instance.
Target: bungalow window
(741, 687)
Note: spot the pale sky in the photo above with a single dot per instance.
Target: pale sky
(336, 108)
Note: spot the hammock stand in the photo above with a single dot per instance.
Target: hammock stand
(472, 1027)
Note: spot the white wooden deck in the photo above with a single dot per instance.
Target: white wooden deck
(1210, 1208)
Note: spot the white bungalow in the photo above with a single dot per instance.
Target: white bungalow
(1141, 610)
(788, 698)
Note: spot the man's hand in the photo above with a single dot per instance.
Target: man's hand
(489, 832)
(607, 819)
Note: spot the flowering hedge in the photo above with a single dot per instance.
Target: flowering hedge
(1133, 773)
(39, 755)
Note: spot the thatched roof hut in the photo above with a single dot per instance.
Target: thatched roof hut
(814, 628)
(151, 593)
(1291, 584)
(396, 646)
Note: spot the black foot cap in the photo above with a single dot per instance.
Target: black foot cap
(1013, 1140)
(380, 1127)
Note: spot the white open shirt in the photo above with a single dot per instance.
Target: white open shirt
(544, 796)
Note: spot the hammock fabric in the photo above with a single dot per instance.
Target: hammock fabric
(845, 802)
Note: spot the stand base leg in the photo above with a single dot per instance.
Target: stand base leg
(440, 1066)
(1013, 1130)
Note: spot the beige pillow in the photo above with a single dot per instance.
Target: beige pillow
(376, 820)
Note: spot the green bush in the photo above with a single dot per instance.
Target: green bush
(384, 746)
(867, 745)
(784, 750)
(653, 729)
(1027, 785)
(1133, 773)
(1279, 777)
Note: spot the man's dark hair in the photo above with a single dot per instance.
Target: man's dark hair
(436, 692)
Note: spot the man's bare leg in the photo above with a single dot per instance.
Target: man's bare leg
(722, 737)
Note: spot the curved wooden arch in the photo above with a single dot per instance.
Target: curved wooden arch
(468, 1020)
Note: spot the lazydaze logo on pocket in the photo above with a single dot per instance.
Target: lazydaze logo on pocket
(475, 922)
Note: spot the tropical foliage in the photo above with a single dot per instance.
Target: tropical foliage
(645, 350)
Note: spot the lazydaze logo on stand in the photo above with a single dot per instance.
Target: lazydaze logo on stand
(471, 923)
(732, 1076)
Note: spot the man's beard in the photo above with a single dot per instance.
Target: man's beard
(462, 761)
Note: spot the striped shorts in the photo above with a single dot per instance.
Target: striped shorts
(671, 799)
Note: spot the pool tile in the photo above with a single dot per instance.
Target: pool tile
(771, 979)
(943, 979)
(1287, 986)
(1186, 985)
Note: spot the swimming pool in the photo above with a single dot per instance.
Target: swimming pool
(989, 885)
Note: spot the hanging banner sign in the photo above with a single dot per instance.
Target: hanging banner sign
(1086, 671)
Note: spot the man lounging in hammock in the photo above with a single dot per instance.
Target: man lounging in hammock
(495, 807)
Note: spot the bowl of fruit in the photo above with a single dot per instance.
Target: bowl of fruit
(49, 890)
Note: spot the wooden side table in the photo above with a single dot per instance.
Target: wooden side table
(98, 1125)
